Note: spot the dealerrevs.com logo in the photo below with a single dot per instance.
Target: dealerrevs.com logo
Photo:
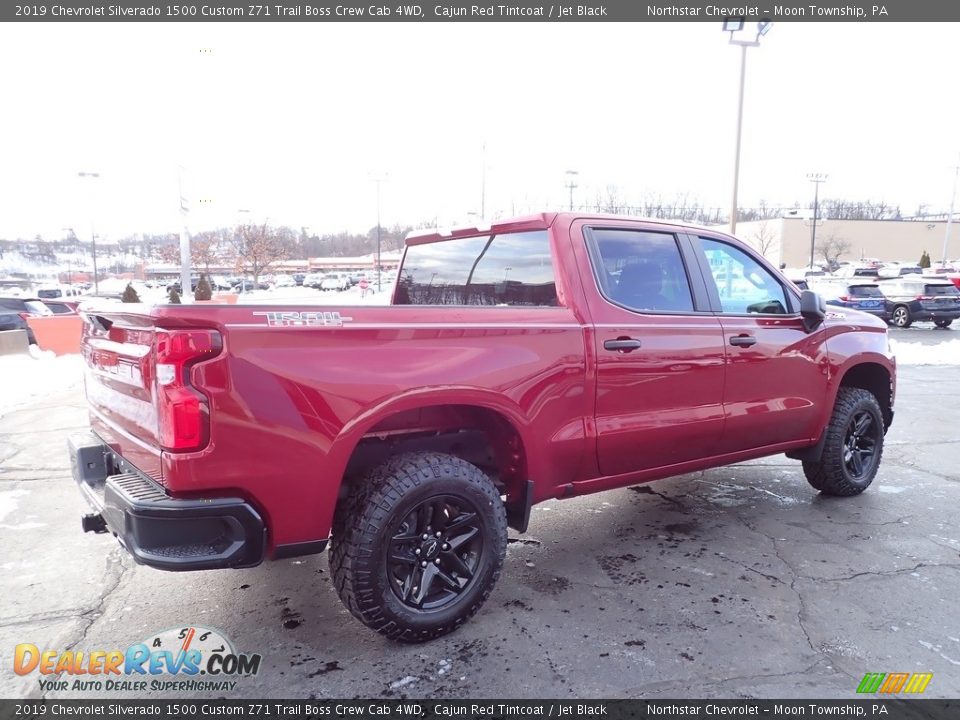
(179, 659)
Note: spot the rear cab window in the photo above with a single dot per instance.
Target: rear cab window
(640, 270)
(511, 269)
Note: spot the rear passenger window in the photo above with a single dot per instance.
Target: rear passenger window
(511, 269)
(641, 271)
(743, 285)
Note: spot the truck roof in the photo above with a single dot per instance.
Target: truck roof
(539, 221)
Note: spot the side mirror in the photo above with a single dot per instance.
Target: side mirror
(813, 309)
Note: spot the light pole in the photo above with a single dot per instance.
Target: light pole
(93, 234)
(816, 179)
(734, 25)
(242, 267)
(953, 197)
(378, 179)
(571, 186)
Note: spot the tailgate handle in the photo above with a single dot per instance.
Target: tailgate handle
(623, 344)
(743, 340)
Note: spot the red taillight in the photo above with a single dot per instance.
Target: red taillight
(25, 316)
(845, 298)
(181, 408)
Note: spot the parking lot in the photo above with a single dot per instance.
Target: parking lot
(734, 582)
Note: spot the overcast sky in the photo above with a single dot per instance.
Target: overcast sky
(290, 121)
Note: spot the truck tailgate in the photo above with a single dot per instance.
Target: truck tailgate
(116, 347)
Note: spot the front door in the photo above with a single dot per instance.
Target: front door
(776, 375)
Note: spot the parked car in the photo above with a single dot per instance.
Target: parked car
(313, 280)
(25, 306)
(914, 299)
(863, 296)
(51, 292)
(10, 320)
(299, 277)
(334, 281)
(865, 271)
(512, 369)
(284, 281)
(244, 286)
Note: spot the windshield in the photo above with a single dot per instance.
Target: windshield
(51, 293)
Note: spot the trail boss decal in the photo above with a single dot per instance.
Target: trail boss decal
(304, 319)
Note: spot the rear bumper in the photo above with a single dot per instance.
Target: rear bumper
(158, 530)
(925, 314)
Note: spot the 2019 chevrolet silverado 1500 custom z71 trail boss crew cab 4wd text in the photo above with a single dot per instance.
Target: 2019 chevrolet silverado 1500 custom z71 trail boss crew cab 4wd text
(544, 357)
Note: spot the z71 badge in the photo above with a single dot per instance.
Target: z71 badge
(304, 319)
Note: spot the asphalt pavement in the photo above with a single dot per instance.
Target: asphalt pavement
(734, 582)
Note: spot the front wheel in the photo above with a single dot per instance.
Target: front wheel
(901, 317)
(852, 447)
(942, 323)
(418, 546)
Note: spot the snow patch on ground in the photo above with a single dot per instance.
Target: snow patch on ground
(943, 353)
(41, 373)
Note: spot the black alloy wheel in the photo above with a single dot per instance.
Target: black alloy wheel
(435, 552)
(860, 445)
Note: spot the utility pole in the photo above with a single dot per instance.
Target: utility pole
(571, 186)
(93, 235)
(378, 180)
(816, 179)
(953, 197)
(483, 182)
(184, 239)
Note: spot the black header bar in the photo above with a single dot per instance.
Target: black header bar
(482, 11)
(873, 707)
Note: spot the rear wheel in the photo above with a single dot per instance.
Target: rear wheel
(418, 546)
(852, 448)
(942, 323)
(901, 316)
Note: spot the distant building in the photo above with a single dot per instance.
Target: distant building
(787, 240)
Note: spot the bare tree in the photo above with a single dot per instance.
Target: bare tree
(764, 238)
(205, 250)
(257, 247)
(832, 248)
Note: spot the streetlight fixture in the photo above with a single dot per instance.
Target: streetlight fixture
(571, 186)
(733, 26)
(816, 179)
(93, 234)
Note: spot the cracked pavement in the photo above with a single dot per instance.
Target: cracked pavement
(734, 582)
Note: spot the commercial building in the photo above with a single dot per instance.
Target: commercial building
(786, 240)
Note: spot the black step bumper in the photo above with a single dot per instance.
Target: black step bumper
(158, 530)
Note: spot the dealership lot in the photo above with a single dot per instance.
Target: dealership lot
(734, 582)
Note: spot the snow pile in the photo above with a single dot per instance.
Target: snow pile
(27, 377)
(943, 353)
(310, 296)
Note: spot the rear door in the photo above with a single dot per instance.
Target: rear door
(659, 349)
(776, 372)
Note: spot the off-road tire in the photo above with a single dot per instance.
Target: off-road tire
(832, 474)
(900, 317)
(364, 534)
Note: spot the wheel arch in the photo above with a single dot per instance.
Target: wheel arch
(473, 425)
(874, 374)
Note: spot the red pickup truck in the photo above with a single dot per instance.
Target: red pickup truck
(548, 356)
